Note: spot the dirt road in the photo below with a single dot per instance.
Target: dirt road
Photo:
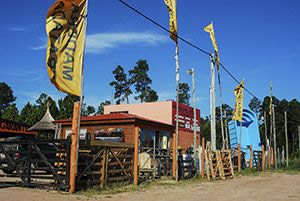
(265, 187)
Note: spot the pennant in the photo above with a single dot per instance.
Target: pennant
(238, 108)
(171, 4)
(66, 27)
(210, 29)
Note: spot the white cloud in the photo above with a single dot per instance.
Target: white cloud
(99, 42)
(17, 29)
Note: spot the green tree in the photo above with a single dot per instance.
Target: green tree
(139, 77)
(28, 115)
(88, 110)
(121, 85)
(183, 93)
(151, 96)
(6, 96)
(255, 105)
(11, 112)
(66, 106)
(226, 110)
(101, 106)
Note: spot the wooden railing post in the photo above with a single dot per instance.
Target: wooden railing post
(272, 156)
(251, 157)
(136, 156)
(262, 157)
(202, 157)
(73, 160)
(174, 155)
(269, 157)
(239, 158)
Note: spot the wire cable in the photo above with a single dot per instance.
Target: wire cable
(187, 42)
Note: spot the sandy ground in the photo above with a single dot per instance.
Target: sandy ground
(265, 187)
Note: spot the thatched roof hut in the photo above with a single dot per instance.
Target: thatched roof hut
(45, 124)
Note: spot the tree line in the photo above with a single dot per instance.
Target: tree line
(137, 83)
(259, 107)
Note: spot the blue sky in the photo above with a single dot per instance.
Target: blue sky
(258, 41)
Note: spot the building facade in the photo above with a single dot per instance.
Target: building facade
(165, 112)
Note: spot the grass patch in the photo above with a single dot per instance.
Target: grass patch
(164, 182)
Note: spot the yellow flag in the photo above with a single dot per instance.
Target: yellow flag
(171, 4)
(210, 29)
(65, 27)
(238, 108)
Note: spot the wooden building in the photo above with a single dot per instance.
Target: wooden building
(121, 127)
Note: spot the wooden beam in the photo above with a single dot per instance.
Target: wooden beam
(136, 156)
(251, 157)
(262, 157)
(73, 157)
(239, 158)
(202, 157)
(174, 155)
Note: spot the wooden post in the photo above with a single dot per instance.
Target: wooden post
(73, 154)
(174, 156)
(251, 157)
(239, 158)
(262, 157)
(202, 157)
(266, 129)
(272, 156)
(299, 140)
(286, 140)
(278, 157)
(136, 156)
(269, 157)
(274, 134)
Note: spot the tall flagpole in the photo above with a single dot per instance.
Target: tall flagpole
(221, 110)
(82, 81)
(76, 120)
(177, 104)
(212, 105)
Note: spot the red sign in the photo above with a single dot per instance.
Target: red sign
(185, 117)
(13, 127)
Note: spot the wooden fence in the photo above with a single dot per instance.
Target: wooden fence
(104, 163)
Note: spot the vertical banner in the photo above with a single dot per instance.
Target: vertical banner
(65, 27)
(210, 29)
(238, 108)
(171, 5)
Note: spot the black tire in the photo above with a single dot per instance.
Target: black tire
(8, 171)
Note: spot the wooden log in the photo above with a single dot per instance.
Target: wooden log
(239, 158)
(272, 156)
(251, 157)
(73, 161)
(174, 156)
(262, 157)
(102, 170)
(269, 157)
(202, 157)
(136, 156)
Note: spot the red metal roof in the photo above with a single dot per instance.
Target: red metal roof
(112, 116)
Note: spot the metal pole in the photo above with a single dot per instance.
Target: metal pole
(286, 140)
(221, 110)
(192, 72)
(195, 120)
(212, 106)
(274, 136)
(177, 105)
